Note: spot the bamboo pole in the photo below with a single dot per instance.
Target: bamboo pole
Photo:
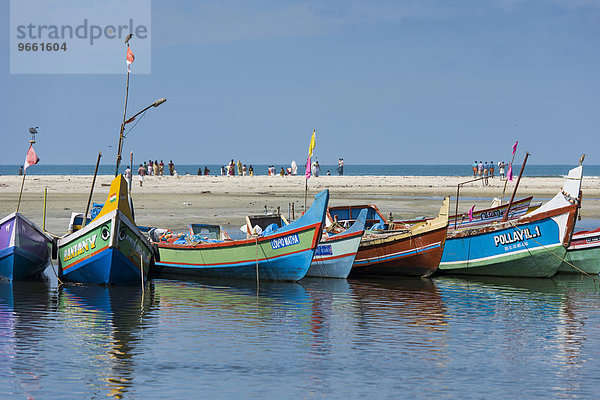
(123, 124)
(44, 210)
(21, 191)
(87, 208)
(505, 218)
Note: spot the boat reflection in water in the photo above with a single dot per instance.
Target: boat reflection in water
(524, 327)
(105, 324)
(24, 310)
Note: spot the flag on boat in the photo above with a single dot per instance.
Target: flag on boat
(311, 147)
(471, 213)
(31, 158)
(130, 58)
(515, 147)
(510, 173)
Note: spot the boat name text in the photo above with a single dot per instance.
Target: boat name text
(516, 236)
(285, 241)
(80, 248)
(324, 250)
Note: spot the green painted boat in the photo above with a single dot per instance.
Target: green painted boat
(583, 255)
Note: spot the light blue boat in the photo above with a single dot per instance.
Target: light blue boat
(336, 253)
(24, 248)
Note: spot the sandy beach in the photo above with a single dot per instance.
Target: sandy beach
(176, 201)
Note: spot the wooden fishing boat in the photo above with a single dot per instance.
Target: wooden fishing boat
(108, 250)
(335, 254)
(415, 251)
(583, 253)
(284, 254)
(531, 246)
(24, 248)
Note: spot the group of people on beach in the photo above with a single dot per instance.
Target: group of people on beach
(151, 168)
(484, 170)
(233, 169)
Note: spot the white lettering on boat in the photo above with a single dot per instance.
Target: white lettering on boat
(516, 236)
(285, 241)
(324, 250)
(80, 248)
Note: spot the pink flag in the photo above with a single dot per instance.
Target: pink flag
(130, 58)
(307, 173)
(31, 158)
(515, 148)
(510, 174)
(471, 213)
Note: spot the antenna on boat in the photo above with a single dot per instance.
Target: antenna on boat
(34, 132)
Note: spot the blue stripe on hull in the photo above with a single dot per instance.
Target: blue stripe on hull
(404, 254)
(16, 264)
(291, 267)
(108, 267)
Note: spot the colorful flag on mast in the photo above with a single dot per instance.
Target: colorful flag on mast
(515, 147)
(471, 213)
(510, 173)
(31, 158)
(130, 58)
(311, 147)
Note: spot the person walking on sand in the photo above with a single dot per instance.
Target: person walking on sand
(474, 167)
(141, 173)
(161, 168)
(171, 167)
(491, 169)
(501, 166)
(340, 168)
(480, 169)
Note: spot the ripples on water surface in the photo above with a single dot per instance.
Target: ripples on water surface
(401, 338)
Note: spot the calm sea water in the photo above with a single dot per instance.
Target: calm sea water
(447, 337)
(352, 170)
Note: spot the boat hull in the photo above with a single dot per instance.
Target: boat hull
(283, 255)
(527, 249)
(583, 253)
(24, 248)
(334, 259)
(404, 255)
(108, 251)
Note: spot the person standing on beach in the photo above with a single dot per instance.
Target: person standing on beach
(501, 166)
(161, 168)
(206, 171)
(251, 170)
(127, 174)
(141, 173)
(492, 169)
(341, 167)
(155, 167)
(474, 167)
(171, 167)
(239, 168)
(480, 169)
(244, 170)
(21, 170)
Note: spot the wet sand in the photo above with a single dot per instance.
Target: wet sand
(176, 201)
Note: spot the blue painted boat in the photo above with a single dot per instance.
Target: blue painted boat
(532, 246)
(24, 248)
(108, 250)
(335, 254)
(283, 254)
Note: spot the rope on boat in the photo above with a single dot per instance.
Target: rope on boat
(557, 256)
(55, 274)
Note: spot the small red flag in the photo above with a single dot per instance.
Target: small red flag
(130, 58)
(31, 158)
(471, 214)
(515, 147)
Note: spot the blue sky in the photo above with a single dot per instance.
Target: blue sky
(382, 82)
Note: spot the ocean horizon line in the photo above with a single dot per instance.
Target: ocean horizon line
(531, 170)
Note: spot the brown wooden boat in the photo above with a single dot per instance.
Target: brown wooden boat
(414, 251)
